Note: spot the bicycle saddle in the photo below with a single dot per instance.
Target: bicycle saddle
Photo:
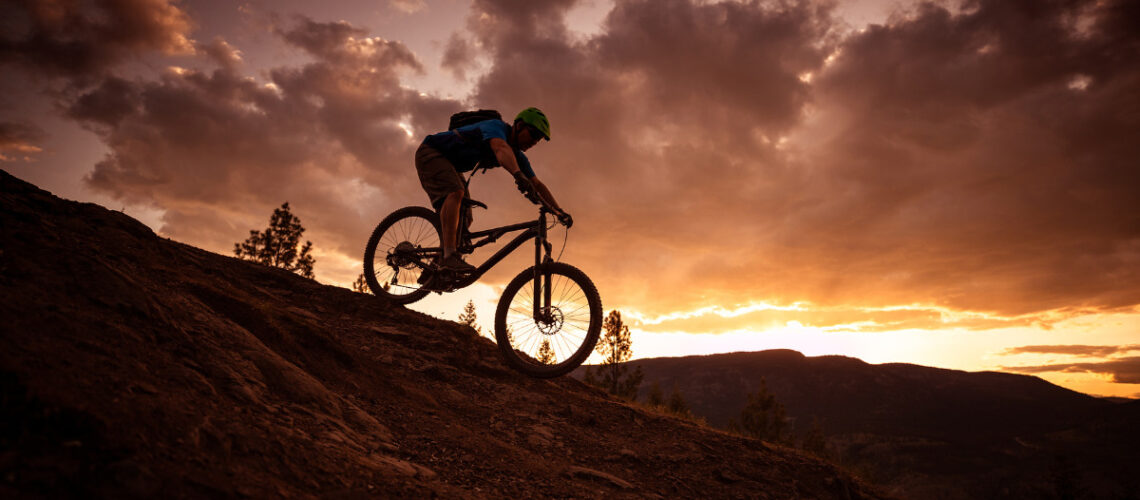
(477, 203)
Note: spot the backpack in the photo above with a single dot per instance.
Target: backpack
(468, 117)
(463, 118)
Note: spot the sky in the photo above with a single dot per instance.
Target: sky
(950, 184)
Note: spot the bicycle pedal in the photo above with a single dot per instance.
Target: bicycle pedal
(438, 286)
(440, 280)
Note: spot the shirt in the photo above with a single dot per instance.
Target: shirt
(469, 145)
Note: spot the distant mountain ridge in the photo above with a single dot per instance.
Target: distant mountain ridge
(926, 432)
(850, 395)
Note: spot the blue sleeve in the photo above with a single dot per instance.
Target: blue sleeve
(491, 129)
(524, 164)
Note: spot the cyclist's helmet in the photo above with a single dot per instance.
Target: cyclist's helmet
(535, 118)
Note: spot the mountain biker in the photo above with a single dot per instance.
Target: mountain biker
(489, 143)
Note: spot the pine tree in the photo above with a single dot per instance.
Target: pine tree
(277, 245)
(360, 286)
(677, 405)
(814, 440)
(468, 317)
(546, 354)
(656, 397)
(763, 417)
(733, 426)
(616, 348)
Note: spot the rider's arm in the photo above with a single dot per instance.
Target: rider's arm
(545, 193)
(504, 154)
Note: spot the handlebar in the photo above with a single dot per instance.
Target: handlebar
(543, 206)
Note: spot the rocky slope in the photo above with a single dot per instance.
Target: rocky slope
(135, 366)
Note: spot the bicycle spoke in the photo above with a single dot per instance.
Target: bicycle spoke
(423, 232)
(417, 231)
(566, 329)
(563, 339)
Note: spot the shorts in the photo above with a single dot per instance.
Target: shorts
(437, 175)
(439, 179)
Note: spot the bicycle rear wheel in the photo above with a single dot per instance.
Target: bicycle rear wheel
(397, 252)
(554, 343)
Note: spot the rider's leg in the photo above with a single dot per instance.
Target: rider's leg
(444, 187)
(449, 221)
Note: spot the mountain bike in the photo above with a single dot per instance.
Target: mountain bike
(548, 317)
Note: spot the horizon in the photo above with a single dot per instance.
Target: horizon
(948, 184)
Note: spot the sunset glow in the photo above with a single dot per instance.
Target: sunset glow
(951, 184)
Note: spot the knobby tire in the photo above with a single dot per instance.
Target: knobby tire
(578, 303)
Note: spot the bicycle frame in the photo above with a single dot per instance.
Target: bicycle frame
(542, 248)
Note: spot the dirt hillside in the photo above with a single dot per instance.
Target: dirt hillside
(136, 366)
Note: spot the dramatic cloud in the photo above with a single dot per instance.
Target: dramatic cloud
(217, 150)
(18, 141)
(222, 53)
(408, 6)
(714, 154)
(833, 319)
(1099, 351)
(83, 40)
(1121, 371)
(665, 131)
(458, 57)
(979, 160)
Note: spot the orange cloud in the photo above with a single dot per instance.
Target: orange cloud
(943, 158)
(216, 150)
(1099, 351)
(713, 320)
(1121, 371)
(19, 139)
(86, 40)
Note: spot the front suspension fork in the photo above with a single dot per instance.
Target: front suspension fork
(542, 276)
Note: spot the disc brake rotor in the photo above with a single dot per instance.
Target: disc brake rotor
(552, 324)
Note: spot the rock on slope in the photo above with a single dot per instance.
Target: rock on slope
(135, 366)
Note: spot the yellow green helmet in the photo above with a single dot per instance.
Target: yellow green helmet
(535, 118)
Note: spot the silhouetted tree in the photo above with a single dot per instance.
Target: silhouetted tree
(677, 405)
(468, 317)
(545, 353)
(616, 348)
(656, 398)
(814, 440)
(734, 426)
(277, 245)
(360, 285)
(763, 417)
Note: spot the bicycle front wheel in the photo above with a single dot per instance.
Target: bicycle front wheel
(542, 341)
(400, 247)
